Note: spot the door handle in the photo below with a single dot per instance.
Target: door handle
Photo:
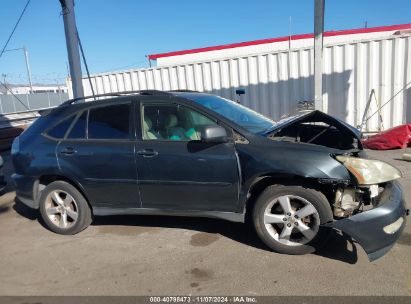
(147, 153)
(68, 151)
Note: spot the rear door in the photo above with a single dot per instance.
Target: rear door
(98, 151)
(176, 169)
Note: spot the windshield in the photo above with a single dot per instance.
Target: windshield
(241, 115)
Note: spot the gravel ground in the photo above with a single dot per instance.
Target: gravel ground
(152, 255)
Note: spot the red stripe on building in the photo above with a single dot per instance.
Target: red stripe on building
(282, 39)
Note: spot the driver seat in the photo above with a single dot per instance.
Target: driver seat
(172, 128)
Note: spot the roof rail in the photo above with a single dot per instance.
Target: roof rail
(183, 91)
(124, 93)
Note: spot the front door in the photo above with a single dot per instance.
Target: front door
(176, 170)
(98, 151)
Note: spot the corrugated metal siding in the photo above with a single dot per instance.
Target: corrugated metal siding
(276, 82)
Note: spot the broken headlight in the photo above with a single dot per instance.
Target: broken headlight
(368, 171)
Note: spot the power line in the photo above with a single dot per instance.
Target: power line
(14, 29)
(134, 65)
(8, 89)
(85, 63)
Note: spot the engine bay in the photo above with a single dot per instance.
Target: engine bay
(318, 129)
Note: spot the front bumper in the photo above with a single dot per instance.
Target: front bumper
(367, 228)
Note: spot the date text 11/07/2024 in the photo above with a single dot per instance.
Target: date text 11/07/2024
(203, 299)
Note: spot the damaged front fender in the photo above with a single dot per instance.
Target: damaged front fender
(378, 229)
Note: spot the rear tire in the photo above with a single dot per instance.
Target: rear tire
(288, 218)
(64, 209)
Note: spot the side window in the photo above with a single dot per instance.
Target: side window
(201, 120)
(61, 128)
(110, 122)
(173, 122)
(78, 131)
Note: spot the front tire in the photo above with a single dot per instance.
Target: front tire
(288, 219)
(64, 209)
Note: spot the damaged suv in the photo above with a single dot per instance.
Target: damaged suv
(195, 154)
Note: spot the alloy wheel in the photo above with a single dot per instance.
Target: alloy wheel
(61, 209)
(291, 220)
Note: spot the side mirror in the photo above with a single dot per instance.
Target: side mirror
(214, 133)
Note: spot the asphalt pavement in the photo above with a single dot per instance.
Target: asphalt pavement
(154, 255)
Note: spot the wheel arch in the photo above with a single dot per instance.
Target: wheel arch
(260, 183)
(46, 179)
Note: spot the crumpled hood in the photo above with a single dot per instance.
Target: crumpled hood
(317, 116)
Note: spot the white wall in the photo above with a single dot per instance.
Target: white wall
(276, 81)
(267, 48)
(40, 89)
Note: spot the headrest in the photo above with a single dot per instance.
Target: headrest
(171, 121)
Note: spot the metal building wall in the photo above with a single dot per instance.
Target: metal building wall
(28, 102)
(276, 82)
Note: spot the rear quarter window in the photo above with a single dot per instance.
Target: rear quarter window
(78, 131)
(59, 130)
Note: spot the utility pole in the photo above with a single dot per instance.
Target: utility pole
(26, 57)
(72, 47)
(318, 53)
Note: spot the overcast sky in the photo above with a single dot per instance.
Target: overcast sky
(118, 34)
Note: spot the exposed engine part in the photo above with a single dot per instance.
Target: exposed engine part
(346, 201)
(315, 128)
(375, 191)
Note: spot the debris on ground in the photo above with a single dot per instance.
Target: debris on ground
(406, 156)
(394, 138)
